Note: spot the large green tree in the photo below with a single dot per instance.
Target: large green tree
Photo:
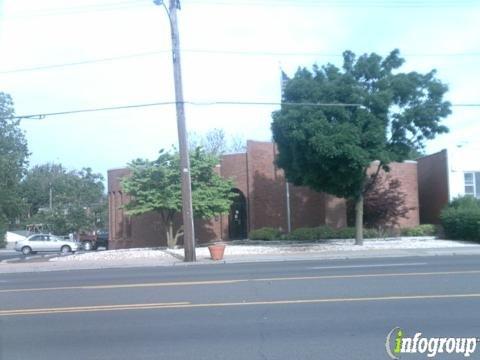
(371, 111)
(13, 162)
(155, 186)
(77, 198)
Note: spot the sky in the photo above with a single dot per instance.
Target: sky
(232, 50)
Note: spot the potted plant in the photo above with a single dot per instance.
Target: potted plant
(216, 250)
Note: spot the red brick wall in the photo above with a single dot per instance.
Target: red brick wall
(406, 172)
(145, 230)
(432, 186)
(234, 167)
(307, 207)
(266, 187)
(267, 194)
(263, 185)
(335, 211)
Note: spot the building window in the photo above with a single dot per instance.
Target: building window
(472, 183)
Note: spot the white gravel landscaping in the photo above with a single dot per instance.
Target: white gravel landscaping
(117, 255)
(247, 248)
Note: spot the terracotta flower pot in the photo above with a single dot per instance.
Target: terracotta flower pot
(216, 251)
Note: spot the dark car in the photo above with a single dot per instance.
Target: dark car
(94, 241)
(102, 238)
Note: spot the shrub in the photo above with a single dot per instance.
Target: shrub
(420, 230)
(461, 219)
(304, 234)
(327, 232)
(464, 202)
(372, 233)
(265, 233)
(346, 233)
(349, 233)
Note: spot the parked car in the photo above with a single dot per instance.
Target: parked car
(95, 240)
(102, 238)
(46, 243)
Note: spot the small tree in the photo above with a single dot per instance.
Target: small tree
(156, 186)
(385, 204)
(378, 113)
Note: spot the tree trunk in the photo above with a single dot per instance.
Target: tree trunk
(171, 240)
(359, 220)
(178, 234)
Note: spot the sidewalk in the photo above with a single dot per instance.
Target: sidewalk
(277, 251)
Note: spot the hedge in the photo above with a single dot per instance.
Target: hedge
(265, 233)
(314, 233)
(311, 233)
(461, 219)
(420, 230)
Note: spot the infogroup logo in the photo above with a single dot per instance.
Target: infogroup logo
(397, 343)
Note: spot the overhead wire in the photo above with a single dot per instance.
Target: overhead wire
(215, 52)
(128, 4)
(40, 116)
(340, 3)
(110, 6)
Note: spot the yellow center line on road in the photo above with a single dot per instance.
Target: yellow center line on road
(353, 276)
(237, 281)
(188, 305)
(87, 308)
(123, 286)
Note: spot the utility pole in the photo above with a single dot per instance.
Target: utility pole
(50, 198)
(283, 83)
(187, 211)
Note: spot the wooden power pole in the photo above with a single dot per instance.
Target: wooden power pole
(187, 211)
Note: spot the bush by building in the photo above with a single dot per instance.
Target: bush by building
(420, 230)
(265, 233)
(327, 232)
(461, 219)
(307, 233)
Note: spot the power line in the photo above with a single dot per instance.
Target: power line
(466, 105)
(195, 103)
(314, 53)
(77, 9)
(340, 3)
(78, 111)
(120, 5)
(205, 103)
(215, 52)
(83, 62)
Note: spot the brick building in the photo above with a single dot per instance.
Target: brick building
(445, 175)
(433, 190)
(262, 202)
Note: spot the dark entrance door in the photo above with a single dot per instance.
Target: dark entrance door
(237, 219)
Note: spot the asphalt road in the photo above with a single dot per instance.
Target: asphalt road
(340, 309)
(8, 254)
